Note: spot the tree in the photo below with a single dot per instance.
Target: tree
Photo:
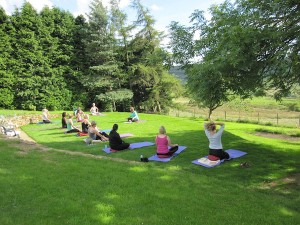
(105, 74)
(252, 44)
(6, 76)
(40, 82)
(148, 77)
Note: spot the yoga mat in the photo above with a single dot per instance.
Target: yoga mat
(235, 153)
(209, 164)
(139, 121)
(155, 157)
(126, 135)
(133, 146)
(106, 130)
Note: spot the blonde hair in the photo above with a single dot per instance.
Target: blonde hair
(162, 130)
(86, 116)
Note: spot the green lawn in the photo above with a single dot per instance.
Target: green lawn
(51, 187)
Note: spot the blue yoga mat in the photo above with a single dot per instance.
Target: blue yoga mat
(155, 157)
(209, 164)
(106, 130)
(133, 146)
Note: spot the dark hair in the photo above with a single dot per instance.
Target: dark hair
(115, 127)
(64, 114)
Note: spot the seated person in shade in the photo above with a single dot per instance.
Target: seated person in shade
(133, 115)
(45, 114)
(85, 124)
(214, 138)
(163, 142)
(79, 115)
(64, 120)
(94, 110)
(115, 141)
(70, 126)
(94, 133)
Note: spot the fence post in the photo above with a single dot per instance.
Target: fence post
(277, 119)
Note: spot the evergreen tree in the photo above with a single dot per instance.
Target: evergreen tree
(39, 85)
(6, 76)
(148, 78)
(105, 72)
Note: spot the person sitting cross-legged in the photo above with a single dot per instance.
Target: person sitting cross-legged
(115, 141)
(163, 142)
(133, 116)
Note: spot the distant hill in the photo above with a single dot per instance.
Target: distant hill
(179, 73)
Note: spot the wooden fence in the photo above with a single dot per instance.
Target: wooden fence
(266, 118)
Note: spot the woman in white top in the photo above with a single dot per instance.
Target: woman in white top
(94, 110)
(215, 142)
(45, 114)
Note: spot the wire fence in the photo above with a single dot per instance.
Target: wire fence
(286, 119)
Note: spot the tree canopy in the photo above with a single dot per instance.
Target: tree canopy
(246, 46)
(51, 59)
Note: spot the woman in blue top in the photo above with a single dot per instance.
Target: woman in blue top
(133, 115)
(215, 142)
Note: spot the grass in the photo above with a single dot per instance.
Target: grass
(51, 187)
(262, 110)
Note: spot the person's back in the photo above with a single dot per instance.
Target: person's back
(215, 138)
(114, 139)
(162, 143)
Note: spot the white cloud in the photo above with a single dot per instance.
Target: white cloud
(155, 7)
(82, 7)
(10, 5)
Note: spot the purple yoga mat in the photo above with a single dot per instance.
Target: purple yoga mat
(155, 158)
(133, 146)
(232, 153)
(126, 135)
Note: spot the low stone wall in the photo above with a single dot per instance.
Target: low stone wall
(18, 121)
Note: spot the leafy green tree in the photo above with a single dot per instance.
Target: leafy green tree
(251, 45)
(6, 76)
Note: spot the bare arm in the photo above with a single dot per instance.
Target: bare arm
(170, 144)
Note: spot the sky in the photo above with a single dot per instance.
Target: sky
(163, 11)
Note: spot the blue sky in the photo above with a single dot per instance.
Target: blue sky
(163, 11)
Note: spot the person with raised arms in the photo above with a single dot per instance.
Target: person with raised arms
(214, 137)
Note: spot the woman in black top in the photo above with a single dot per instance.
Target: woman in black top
(115, 141)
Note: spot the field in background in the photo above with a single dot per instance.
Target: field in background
(263, 110)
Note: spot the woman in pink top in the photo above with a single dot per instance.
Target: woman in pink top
(163, 142)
